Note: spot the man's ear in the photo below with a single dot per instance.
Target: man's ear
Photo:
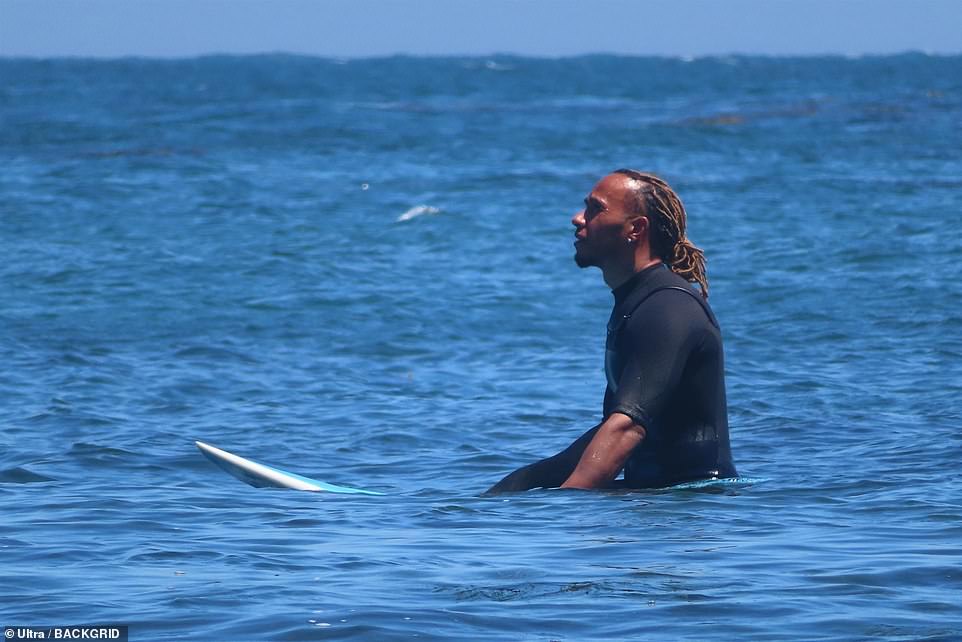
(638, 232)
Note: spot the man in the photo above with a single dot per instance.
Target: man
(665, 415)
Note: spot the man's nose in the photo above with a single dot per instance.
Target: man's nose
(578, 219)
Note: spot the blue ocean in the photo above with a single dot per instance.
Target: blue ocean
(361, 271)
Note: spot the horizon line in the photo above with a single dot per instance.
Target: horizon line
(496, 54)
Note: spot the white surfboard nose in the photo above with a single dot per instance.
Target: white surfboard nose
(262, 476)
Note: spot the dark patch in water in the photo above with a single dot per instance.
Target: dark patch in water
(20, 475)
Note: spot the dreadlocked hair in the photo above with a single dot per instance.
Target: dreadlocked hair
(667, 219)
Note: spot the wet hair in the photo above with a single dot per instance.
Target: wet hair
(655, 199)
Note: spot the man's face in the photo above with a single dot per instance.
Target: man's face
(602, 228)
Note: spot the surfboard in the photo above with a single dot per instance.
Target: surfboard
(263, 476)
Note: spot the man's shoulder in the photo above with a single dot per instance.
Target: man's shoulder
(666, 286)
(677, 301)
(670, 302)
(664, 293)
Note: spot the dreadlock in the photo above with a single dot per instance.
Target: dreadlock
(666, 215)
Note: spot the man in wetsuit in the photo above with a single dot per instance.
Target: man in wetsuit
(665, 415)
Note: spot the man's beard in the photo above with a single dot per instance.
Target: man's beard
(581, 260)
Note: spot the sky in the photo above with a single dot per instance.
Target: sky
(363, 28)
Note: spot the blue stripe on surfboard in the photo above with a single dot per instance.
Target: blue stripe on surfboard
(333, 488)
(257, 478)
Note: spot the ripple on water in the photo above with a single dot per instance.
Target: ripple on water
(21, 475)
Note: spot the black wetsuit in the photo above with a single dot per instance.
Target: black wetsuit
(666, 371)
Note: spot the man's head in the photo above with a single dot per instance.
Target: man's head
(608, 230)
(631, 220)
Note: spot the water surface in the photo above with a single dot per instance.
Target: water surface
(211, 249)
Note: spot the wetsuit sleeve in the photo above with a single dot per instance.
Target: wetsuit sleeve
(659, 339)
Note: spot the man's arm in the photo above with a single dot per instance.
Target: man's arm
(547, 473)
(607, 453)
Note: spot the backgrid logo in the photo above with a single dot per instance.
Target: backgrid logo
(105, 633)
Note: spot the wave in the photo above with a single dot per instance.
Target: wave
(416, 211)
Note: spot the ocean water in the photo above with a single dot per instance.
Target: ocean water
(361, 270)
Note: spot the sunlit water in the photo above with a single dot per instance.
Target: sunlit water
(361, 271)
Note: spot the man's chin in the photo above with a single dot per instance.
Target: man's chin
(582, 261)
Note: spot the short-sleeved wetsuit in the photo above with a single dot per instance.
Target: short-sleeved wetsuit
(665, 369)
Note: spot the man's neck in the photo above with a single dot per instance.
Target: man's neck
(619, 275)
